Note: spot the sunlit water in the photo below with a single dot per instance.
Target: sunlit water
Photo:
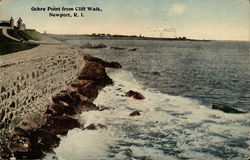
(180, 81)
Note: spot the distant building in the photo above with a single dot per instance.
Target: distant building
(10, 24)
(20, 24)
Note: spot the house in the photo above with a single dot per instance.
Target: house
(10, 24)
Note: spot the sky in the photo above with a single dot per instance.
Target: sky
(196, 19)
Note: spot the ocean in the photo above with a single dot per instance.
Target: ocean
(180, 80)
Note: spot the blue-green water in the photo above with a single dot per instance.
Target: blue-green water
(180, 82)
(210, 72)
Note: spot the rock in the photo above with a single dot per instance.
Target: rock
(133, 49)
(101, 126)
(64, 98)
(79, 84)
(115, 65)
(64, 121)
(35, 145)
(31, 122)
(19, 144)
(100, 45)
(94, 70)
(55, 109)
(89, 93)
(91, 127)
(92, 59)
(135, 95)
(58, 109)
(88, 106)
(61, 124)
(46, 140)
(95, 127)
(93, 46)
(135, 113)
(5, 152)
(227, 109)
(117, 48)
(102, 108)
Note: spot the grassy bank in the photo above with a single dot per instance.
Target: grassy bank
(27, 35)
(9, 46)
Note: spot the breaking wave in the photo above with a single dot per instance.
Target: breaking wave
(169, 127)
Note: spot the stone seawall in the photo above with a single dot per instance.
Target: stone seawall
(26, 86)
(37, 134)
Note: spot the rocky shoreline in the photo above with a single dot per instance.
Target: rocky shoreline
(37, 135)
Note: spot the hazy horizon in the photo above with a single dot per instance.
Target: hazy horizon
(82, 34)
(194, 19)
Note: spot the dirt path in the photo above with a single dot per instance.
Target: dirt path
(5, 33)
(42, 50)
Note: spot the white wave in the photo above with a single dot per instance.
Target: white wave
(169, 127)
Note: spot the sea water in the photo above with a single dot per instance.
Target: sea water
(180, 82)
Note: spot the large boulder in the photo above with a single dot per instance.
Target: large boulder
(20, 144)
(80, 84)
(88, 106)
(59, 125)
(64, 121)
(95, 127)
(135, 95)
(89, 58)
(30, 123)
(64, 98)
(59, 109)
(46, 140)
(114, 65)
(34, 145)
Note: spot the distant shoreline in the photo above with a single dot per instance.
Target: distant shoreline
(125, 37)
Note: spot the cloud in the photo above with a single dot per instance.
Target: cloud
(177, 8)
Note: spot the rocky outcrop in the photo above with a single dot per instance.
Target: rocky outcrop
(227, 109)
(123, 49)
(93, 46)
(134, 94)
(35, 136)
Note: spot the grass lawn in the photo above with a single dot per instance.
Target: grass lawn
(26, 34)
(10, 47)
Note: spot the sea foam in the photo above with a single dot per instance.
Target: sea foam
(169, 127)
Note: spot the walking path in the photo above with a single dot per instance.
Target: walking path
(5, 33)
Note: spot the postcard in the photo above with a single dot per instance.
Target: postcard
(115, 79)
